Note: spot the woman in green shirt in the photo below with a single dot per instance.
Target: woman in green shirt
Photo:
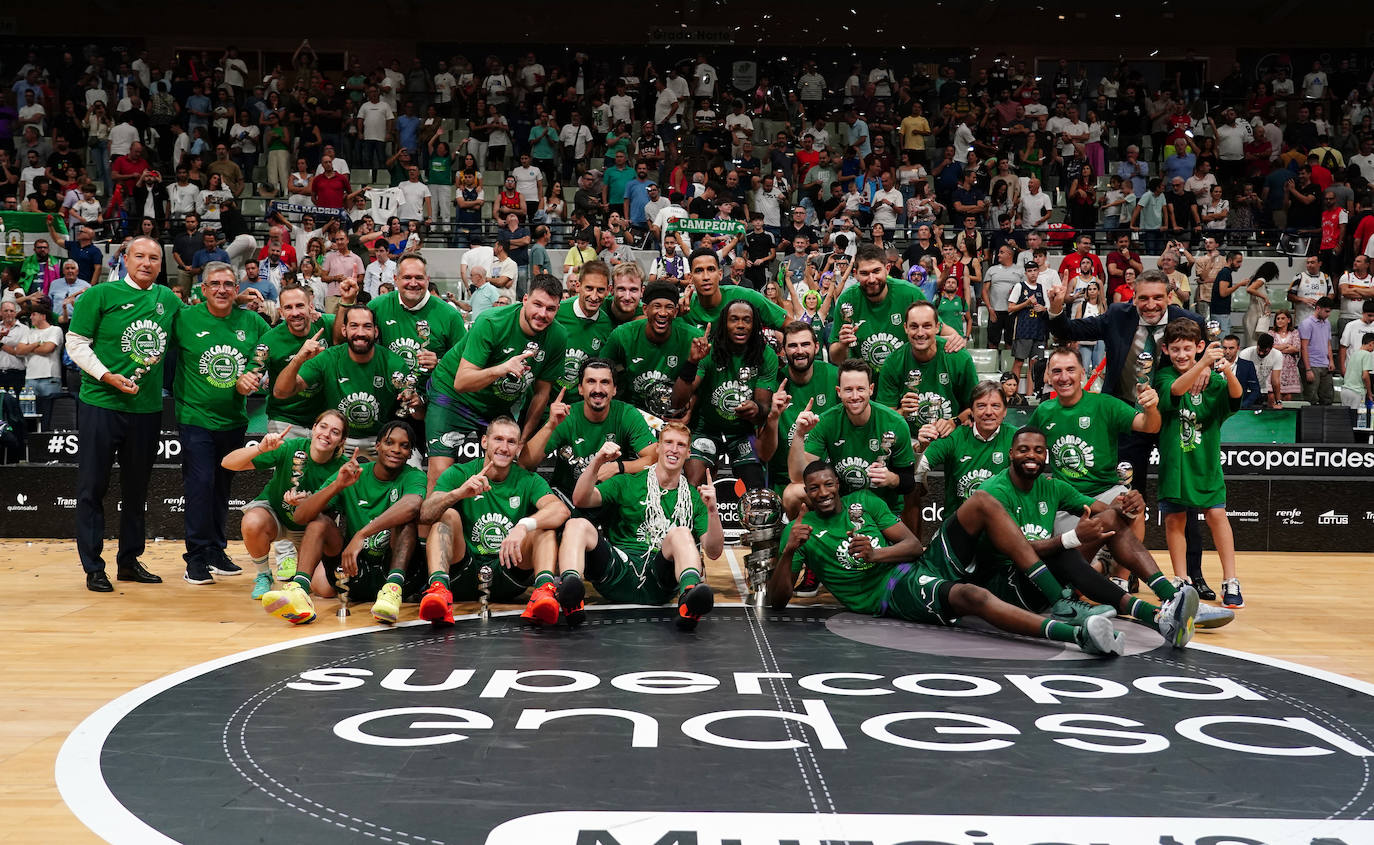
(439, 175)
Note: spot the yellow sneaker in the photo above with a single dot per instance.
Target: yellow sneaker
(290, 603)
(387, 608)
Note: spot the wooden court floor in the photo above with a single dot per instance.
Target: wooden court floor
(68, 651)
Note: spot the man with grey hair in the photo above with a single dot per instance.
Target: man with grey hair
(65, 289)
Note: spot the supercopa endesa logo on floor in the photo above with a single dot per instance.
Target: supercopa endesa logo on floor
(802, 727)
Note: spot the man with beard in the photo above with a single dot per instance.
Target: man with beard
(733, 374)
(807, 385)
(356, 378)
(874, 564)
(871, 312)
(379, 504)
(510, 360)
(647, 550)
(489, 512)
(867, 443)
(585, 322)
(627, 289)
(967, 455)
(214, 342)
(575, 431)
(1034, 500)
(923, 379)
(412, 322)
(300, 321)
(648, 353)
(711, 297)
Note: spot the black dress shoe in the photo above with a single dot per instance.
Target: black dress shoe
(1204, 592)
(98, 582)
(137, 573)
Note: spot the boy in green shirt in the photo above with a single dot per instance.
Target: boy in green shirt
(1194, 400)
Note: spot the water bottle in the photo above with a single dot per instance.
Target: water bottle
(28, 401)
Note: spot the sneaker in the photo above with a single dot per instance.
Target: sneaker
(197, 572)
(1097, 636)
(387, 607)
(571, 592)
(1076, 612)
(1177, 616)
(286, 567)
(290, 603)
(1122, 583)
(694, 604)
(1230, 593)
(542, 607)
(1211, 616)
(222, 564)
(810, 585)
(436, 606)
(1204, 592)
(262, 585)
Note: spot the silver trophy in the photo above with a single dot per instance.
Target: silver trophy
(398, 383)
(261, 353)
(847, 311)
(1214, 336)
(856, 517)
(531, 348)
(341, 585)
(746, 374)
(913, 385)
(1125, 473)
(658, 400)
(422, 332)
(761, 516)
(889, 439)
(1144, 369)
(297, 469)
(145, 368)
(484, 593)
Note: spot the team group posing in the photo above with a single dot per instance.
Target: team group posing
(603, 384)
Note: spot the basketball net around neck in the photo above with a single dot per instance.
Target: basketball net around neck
(656, 523)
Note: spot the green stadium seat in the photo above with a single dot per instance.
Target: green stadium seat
(986, 360)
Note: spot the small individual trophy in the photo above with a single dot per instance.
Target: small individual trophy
(1214, 336)
(409, 392)
(856, 516)
(531, 348)
(261, 352)
(761, 516)
(1125, 473)
(398, 383)
(847, 311)
(889, 440)
(1144, 369)
(746, 374)
(422, 332)
(145, 368)
(484, 593)
(913, 385)
(341, 585)
(297, 469)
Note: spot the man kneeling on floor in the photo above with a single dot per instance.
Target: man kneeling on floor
(646, 552)
(488, 512)
(873, 564)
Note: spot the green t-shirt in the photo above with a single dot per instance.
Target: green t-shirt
(1190, 441)
(881, 326)
(860, 586)
(577, 439)
(127, 327)
(1033, 510)
(370, 497)
(495, 338)
(1082, 439)
(440, 170)
(624, 507)
(951, 312)
(212, 352)
(543, 142)
(489, 517)
(616, 179)
(723, 386)
(363, 393)
(615, 144)
(851, 449)
(821, 388)
(967, 460)
(539, 258)
(398, 327)
(585, 339)
(646, 362)
(302, 408)
(281, 461)
(947, 382)
(770, 313)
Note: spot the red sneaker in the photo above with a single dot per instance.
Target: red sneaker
(542, 606)
(436, 606)
(810, 585)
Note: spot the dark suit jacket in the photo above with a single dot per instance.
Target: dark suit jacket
(1117, 327)
(1248, 376)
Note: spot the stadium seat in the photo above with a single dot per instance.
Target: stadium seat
(985, 360)
(253, 207)
(381, 179)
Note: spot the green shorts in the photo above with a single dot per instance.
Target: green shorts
(710, 448)
(624, 579)
(449, 434)
(919, 592)
(508, 586)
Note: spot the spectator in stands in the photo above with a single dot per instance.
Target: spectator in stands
(1268, 364)
(1357, 390)
(1315, 337)
(1350, 337)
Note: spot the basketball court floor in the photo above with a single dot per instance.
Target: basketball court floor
(179, 713)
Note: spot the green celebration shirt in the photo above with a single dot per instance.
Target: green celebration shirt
(851, 449)
(586, 338)
(771, 314)
(968, 460)
(490, 516)
(363, 393)
(645, 362)
(370, 497)
(1032, 510)
(212, 352)
(127, 328)
(881, 326)
(577, 439)
(440, 171)
(947, 382)
(399, 332)
(1082, 439)
(821, 388)
(282, 346)
(624, 507)
(281, 460)
(951, 312)
(859, 585)
(1190, 441)
(723, 386)
(495, 338)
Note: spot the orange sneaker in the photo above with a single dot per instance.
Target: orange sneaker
(542, 606)
(436, 605)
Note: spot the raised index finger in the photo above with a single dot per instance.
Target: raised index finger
(560, 395)
(318, 334)
(782, 387)
(809, 403)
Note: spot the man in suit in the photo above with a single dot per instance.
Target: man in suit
(1246, 374)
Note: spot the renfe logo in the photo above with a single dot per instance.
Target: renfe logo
(831, 727)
